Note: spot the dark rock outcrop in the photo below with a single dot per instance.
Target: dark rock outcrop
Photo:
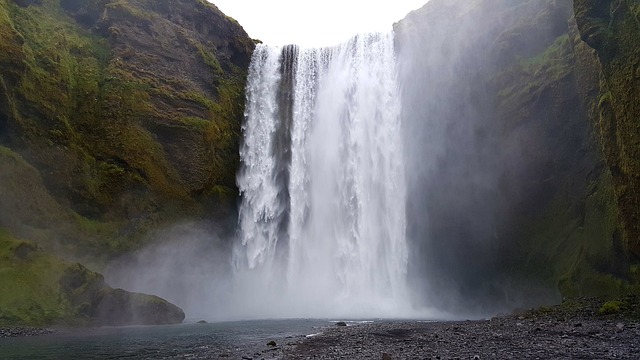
(119, 307)
(93, 300)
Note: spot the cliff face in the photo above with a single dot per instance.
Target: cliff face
(612, 28)
(517, 201)
(116, 116)
(129, 111)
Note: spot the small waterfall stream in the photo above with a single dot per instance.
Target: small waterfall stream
(322, 220)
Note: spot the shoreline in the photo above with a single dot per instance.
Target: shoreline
(575, 329)
(504, 338)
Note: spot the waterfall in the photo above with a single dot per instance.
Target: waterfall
(322, 218)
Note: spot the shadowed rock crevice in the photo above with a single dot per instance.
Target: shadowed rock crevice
(4, 122)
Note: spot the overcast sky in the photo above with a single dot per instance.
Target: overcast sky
(315, 22)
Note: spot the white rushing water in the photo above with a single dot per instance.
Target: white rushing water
(322, 220)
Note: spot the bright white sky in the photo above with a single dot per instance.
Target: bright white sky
(315, 22)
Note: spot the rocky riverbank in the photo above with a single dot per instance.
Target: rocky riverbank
(507, 338)
(570, 331)
(576, 329)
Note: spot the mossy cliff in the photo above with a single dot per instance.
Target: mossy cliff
(612, 28)
(520, 200)
(116, 117)
(129, 111)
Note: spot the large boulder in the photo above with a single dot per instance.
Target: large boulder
(119, 307)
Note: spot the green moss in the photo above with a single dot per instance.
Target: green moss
(576, 248)
(101, 238)
(531, 76)
(6, 152)
(210, 59)
(605, 98)
(610, 307)
(200, 99)
(194, 122)
(614, 32)
(556, 53)
(225, 135)
(11, 52)
(64, 62)
(29, 281)
(126, 9)
(40, 289)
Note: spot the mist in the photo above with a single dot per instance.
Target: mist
(191, 265)
(187, 264)
(476, 172)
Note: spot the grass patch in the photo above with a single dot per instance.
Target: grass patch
(29, 278)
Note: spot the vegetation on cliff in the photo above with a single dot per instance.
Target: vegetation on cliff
(130, 111)
(612, 28)
(116, 116)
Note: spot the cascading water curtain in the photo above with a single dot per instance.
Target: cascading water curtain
(322, 219)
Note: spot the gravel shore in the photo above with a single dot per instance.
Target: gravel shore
(564, 332)
(507, 338)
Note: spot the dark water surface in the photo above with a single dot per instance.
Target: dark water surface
(190, 341)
